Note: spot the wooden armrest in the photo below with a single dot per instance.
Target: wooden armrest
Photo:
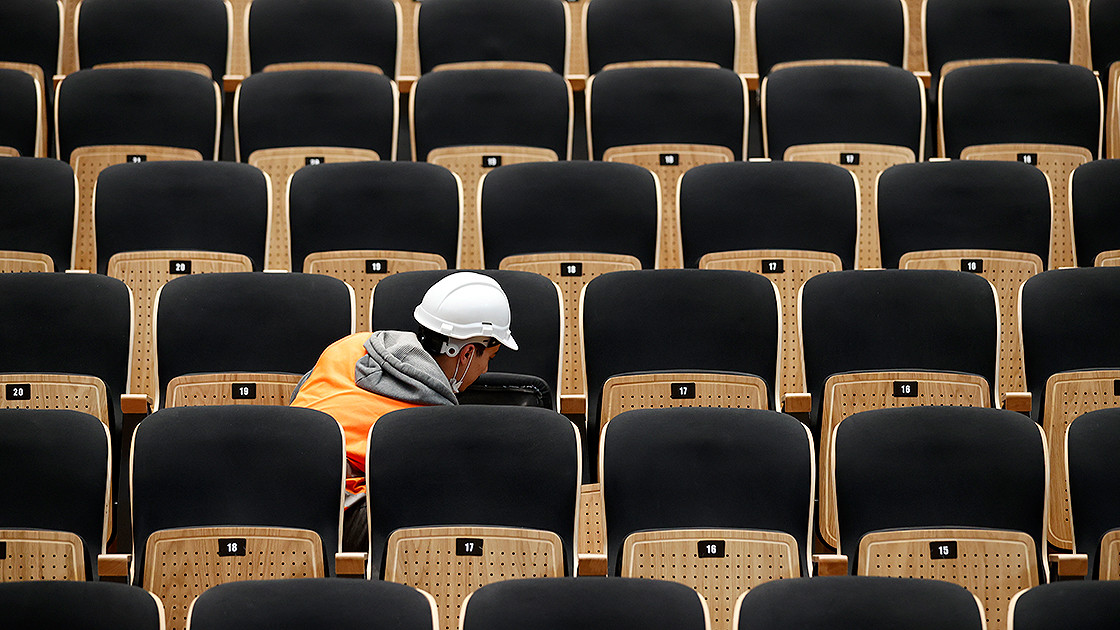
(350, 564)
(231, 81)
(573, 404)
(752, 81)
(1017, 401)
(797, 403)
(829, 564)
(925, 76)
(1070, 564)
(55, 80)
(592, 564)
(114, 567)
(136, 403)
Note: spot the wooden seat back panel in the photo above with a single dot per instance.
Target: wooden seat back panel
(668, 162)
(79, 392)
(233, 388)
(452, 562)
(847, 394)
(41, 555)
(145, 273)
(363, 269)
(797, 266)
(25, 262)
(592, 530)
(866, 161)
(1110, 556)
(681, 389)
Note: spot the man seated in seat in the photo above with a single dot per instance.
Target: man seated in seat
(463, 321)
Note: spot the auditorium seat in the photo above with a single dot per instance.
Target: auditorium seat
(286, 120)
(472, 121)
(949, 493)
(308, 603)
(159, 220)
(988, 218)
(1096, 231)
(719, 500)
(865, 118)
(1046, 114)
(94, 606)
(1093, 474)
(791, 32)
(571, 222)
(37, 209)
(185, 34)
(536, 318)
(462, 496)
(892, 338)
(1072, 361)
(230, 493)
(678, 338)
(788, 221)
(868, 603)
(292, 34)
(493, 33)
(244, 338)
(667, 119)
(115, 115)
(1088, 605)
(56, 494)
(580, 604)
(689, 32)
(361, 222)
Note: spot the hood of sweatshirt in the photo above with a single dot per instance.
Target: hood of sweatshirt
(396, 366)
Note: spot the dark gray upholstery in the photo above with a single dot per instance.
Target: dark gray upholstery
(67, 323)
(316, 108)
(776, 205)
(194, 31)
(1068, 321)
(535, 311)
(1104, 20)
(1094, 473)
(487, 107)
(674, 320)
(248, 322)
(1020, 103)
(1087, 605)
(454, 31)
(996, 29)
(89, 605)
(403, 206)
(19, 111)
(32, 30)
(667, 105)
(481, 465)
(864, 603)
(619, 31)
(169, 108)
(348, 31)
(576, 206)
(940, 467)
(799, 30)
(250, 465)
(873, 321)
(706, 468)
(311, 603)
(208, 206)
(584, 604)
(55, 465)
(1096, 224)
(854, 104)
(964, 204)
(37, 207)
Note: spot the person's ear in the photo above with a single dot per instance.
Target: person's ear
(467, 353)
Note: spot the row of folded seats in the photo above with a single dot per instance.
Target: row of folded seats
(864, 118)
(405, 38)
(560, 604)
(720, 500)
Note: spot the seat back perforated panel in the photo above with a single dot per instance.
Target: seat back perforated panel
(426, 558)
(847, 394)
(872, 160)
(592, 530)
(658, 391)
(1110, 556)
(797, 267)
(25, 262)
(58, 391)
(41, 555)
(354, 268)
(195, 390)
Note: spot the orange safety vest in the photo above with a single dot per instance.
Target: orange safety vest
(331, 389)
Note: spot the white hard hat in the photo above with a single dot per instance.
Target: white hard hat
(468, 307)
